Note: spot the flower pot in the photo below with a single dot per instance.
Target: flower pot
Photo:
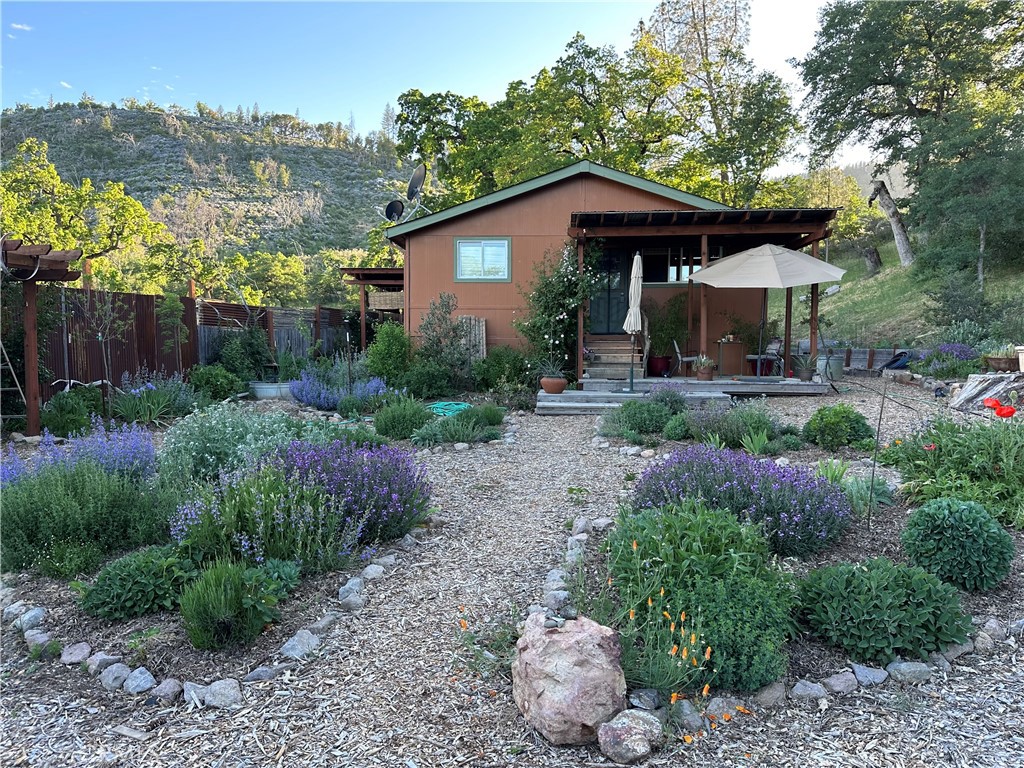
(659, 365)
(806, 374)
(553, 385)
(1003, 364)
(270, 390)
(705, 374)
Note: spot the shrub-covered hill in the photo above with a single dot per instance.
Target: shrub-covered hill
(270, 182)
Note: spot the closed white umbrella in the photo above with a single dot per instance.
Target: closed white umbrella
(767, 266)
(634, 322)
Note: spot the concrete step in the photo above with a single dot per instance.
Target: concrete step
(618, 358)
(581, 402)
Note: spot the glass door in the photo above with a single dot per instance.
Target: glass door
(610, 299)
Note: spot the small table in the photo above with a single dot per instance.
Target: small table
(730, 358)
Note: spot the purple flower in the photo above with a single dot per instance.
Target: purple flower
(799, 512)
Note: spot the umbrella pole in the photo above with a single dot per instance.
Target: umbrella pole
(632, 354)
(760, 332)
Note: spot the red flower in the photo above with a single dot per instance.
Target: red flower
(929, 447)
(1005, 411)
(991, 402)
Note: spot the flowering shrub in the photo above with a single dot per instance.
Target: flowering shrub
(312, 388)
(558, 290)
(799, 512)
(228, 436)
(982, 462)
(306, 502)
(179, 394)
(947, 361)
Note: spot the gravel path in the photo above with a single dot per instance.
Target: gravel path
(402, 685)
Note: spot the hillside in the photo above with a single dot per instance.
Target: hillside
(271, 183)
(890, 308)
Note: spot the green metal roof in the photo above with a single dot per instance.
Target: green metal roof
(584, 166)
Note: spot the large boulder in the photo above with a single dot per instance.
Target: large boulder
(568, 680)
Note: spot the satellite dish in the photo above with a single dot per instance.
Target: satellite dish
(394, 210)
(416, 182)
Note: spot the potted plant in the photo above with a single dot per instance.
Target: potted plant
(804, 366)
(552, 376)
(667, 323)
(705, 368)
(1003, 359)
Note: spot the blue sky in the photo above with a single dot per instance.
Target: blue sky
(329, 60)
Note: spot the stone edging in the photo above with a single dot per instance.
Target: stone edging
(644, 738)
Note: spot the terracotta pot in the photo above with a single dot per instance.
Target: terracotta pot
(705, 374)
(553, 385)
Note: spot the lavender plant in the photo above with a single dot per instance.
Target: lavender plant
(798, 512)
(312, 388)
(309, 503)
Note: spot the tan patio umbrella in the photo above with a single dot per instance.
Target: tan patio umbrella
(767, 266)
(634, 321)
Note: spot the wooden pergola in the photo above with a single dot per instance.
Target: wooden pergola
(735, 230)
(31, 265)
(382, 278)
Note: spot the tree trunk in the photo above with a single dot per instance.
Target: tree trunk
(981, 258)
(872, 258)
(899, 229)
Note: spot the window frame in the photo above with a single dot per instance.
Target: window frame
(506, 278)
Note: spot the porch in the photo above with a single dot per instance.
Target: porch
(598, 396)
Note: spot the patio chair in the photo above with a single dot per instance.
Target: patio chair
(772, 354)
(681, 360)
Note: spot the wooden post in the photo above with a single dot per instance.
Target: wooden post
(703, 298)
(191, 288)
(316, 327)
(580, 244)
(786, 362)
(270, 331)
(814, 307)
(31, 359)
(362, 318)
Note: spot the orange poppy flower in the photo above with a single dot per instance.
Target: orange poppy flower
(707, 653)
(634, 545)
(632, 614)
(688, 739)
(705, 689)
(463, 624)
(682, 616)
(685, 651)
(666, 615)
(726, 716)
(674, 651)
(674, 699)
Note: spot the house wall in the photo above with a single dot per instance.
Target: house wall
(536, 222)
(723, 303)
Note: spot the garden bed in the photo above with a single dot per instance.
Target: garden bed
(401, 681)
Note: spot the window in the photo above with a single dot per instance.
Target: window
(670, 265)
(483, 260)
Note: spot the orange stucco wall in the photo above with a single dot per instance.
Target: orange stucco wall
(536, 222)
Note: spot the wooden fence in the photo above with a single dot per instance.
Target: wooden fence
(103, 336)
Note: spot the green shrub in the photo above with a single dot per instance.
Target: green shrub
(349, 405)
(430, 434)
(245, 353)
(877, 611)
(669, 396)
(981, 462)
(502, 364)
(143, 407)
(833, 426)
(228, 436)
(867, 495)
(677, 545)
(782, 444)
(227, 605)
(457, 430)
(400, 419)
(67, 518)
(486, 415)
(730, 423)
(960, 542)
(675, 428)
(146, 581)
(444, 343)
(746, 622)
(611, 424)
(215, 381)
(644, 416)
(390, 353)
(70, 412)
(427, 380)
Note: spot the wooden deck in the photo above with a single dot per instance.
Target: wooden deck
(602, 395)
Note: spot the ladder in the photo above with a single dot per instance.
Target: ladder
(6, 367)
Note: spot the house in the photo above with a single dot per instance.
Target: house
(484, 250)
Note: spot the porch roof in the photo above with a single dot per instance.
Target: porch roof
(793, 227)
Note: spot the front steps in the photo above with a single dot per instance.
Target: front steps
(593, 401)
(610, 357)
